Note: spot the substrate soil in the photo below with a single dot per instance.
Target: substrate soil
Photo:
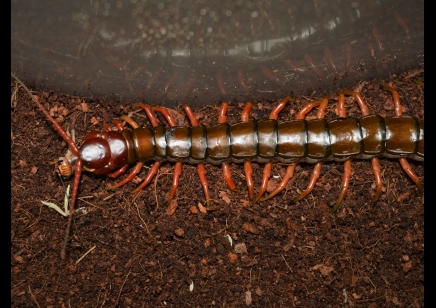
(133, 251)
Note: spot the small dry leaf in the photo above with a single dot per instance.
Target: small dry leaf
(240, 248)
(395, 300)
(356, 296)
(250, 228)
(258, 291)
(324, 269)
(94, 121)
(403, 196)
(248, 298)
(193, 209)
(19, 259)
(225, 197)
(407, 266)
(202, 208)
(179, 232)
(53, 110)
(63, 111)
(33, 170)
(207, 243)
(84, 107)
(244, 202)
(172, 207)
(233, 257)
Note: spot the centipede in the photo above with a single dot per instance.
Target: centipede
(315, 141)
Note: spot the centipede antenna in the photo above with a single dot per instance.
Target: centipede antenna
(71, 144)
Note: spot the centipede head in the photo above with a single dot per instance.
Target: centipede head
(65, 165)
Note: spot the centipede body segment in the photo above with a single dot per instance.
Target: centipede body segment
(315, 141)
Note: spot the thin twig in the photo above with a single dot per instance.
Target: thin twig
(286, 263)
(149, 234)
(122, 286)
(86, 253)
(33, 296)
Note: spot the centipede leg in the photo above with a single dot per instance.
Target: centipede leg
(341, 112)
(148, 177)
(119, 125)
(176, 176)
(345, 183)
(226, 168)
(228, 177)
(248, 170)
(313, 178)
(178, 167)
(374, 161)
(118, 172)
(408, 169)
(317, 169)
(378, 179)
(130, 121)
(288, 176)
(398, 109)
(268, 166)
(201, 170)
(150, 114)
(130, 177)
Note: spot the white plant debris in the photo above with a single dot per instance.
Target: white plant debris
(230, 239)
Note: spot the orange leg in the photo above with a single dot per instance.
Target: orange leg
(178, 167)
(279, 107)
(408, 169)
(226, 168)
(202, 174)
(148, 178)
(177, 173)
(222, 113)
(289, 174)
(314, 177)
(378, 179)
(107, 127)
(118, 172)
(375, 163)
(345, 183)
(265, 178)
(130, 177)
(150, 114)
(130, 121)
(119, 125)
(403, 161)
(171, 121)
(248, 170)
(228, 177)
(200, 168)
(267, 169)
(317, 169)
(347, 164)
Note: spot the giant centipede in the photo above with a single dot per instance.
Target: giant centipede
(112, 151)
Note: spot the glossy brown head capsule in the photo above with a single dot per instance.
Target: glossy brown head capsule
(95, 153)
